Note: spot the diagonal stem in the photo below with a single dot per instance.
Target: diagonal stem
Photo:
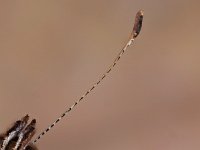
(135, 32)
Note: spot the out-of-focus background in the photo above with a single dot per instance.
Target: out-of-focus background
(51, 52)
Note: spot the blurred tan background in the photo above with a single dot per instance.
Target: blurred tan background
(52, 51)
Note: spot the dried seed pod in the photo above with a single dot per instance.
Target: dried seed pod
(138, 24)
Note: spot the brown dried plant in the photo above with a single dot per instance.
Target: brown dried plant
(19, 136)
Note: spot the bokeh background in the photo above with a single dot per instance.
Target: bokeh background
(51, 52)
